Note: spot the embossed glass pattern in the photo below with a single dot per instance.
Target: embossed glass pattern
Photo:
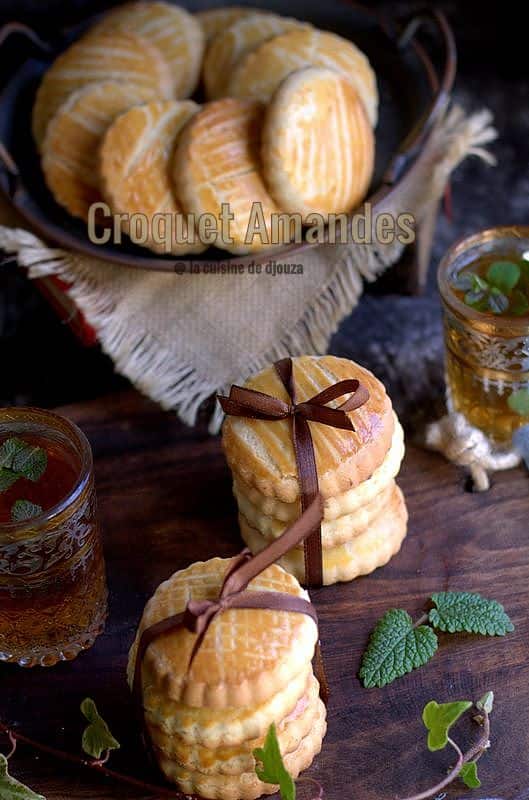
(487, 356)
(53, 591)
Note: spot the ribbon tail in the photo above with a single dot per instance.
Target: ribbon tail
(308, 480)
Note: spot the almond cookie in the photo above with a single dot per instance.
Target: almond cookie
(176, 34)
(71, 146)
(135, 177)
(114, 56)
(359, 556)
(262, 451)
(242, 36)
(246, 656)
(216, 20)
(259, 73)
(318, 146)
(217, 164)
(334, 508)
(247, 785)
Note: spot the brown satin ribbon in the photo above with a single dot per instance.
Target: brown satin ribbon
(199, 614)
(243, 402)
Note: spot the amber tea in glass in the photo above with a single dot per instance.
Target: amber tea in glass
(486, 330)
(52, 574)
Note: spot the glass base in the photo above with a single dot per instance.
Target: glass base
(49, 656)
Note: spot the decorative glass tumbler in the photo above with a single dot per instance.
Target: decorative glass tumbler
(487, 354)
(53, 594)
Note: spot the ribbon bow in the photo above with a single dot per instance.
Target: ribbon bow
(243, 402)
(199, 614)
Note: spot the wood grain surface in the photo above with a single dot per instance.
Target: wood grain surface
(165, 501)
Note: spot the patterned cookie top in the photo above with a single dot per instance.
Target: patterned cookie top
(318, 145)
(175, 33)
(247, 655)
(216, 20)
(262, 451)
(261, 71)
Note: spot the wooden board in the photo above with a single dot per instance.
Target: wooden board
(165, 500)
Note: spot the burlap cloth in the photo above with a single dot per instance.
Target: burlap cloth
(181, 338)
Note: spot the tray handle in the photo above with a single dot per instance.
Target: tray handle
(441, 84)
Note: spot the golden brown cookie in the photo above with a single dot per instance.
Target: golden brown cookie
(260, 72)
(340, 505)
(114, 56)
(246, 656)
(135, 169)
(217, 164)
(261, 452)
(242, 36)
(70, 151)
(233, 760)
(226, 727)
(247, 785)
(176, 34)
(359, 556)
(318, 146)
(216, 20)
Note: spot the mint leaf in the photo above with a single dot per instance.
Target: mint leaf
(396, 648)
(519, 402)
(504, 275)
(463, 281)
(7, 479)
(270, 767)
(469, 775)
(24, 509)
(438, 718)
(11, 789)
(97, 738)
(498, 302)
(26, 460)
(477, 299)
(471, 613)
(479, 283)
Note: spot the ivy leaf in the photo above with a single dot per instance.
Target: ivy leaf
(438, 718)
(519, 402)
(97, 738)
(24, 509)
(270, 767)
(469, 775)
(11, 789)
(26, 460)
(504, 275)
(396, 648)
(458, 612)
(7, 479)
(498, 302)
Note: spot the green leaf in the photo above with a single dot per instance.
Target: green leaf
(438, 718)
(504, 275)
(519, 303)
(11, 789)
(470, 613)
(97, 738)
(395, 648)
(463, 281)
(477, 299)
(28, 461)
(469, 775)
(486, 702)
(24, 509)
(7, 479)
(270, 767)
(498, 302)
(479, 283)
(519, 402)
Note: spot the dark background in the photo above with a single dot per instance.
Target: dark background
(398, 336)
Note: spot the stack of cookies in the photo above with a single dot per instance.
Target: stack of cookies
(365, 516)
(287, 126)
(253, 668)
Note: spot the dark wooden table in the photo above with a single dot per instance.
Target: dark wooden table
(165, 500)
